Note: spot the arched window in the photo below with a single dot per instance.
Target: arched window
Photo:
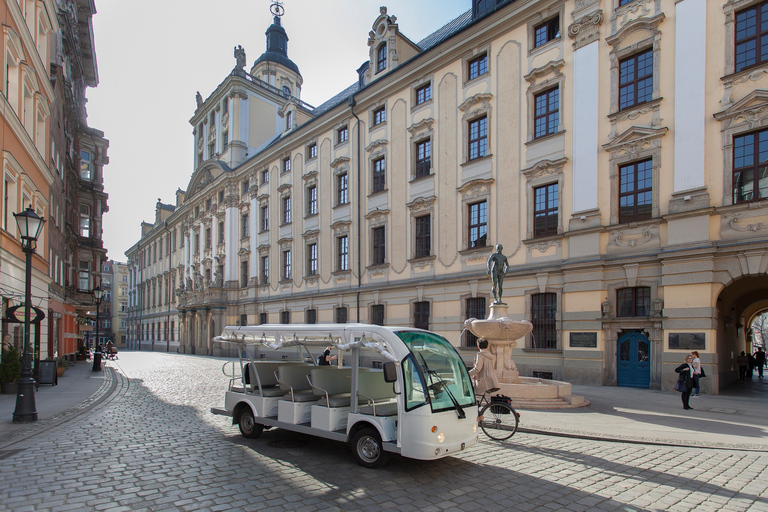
(381, 58)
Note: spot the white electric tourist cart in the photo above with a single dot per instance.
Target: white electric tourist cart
(390, 389)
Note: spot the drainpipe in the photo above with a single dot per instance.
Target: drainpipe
(359, 210)
(168, 290)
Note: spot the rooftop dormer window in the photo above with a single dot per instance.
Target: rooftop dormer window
(381, 58)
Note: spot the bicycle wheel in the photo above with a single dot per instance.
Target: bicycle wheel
(499, 421)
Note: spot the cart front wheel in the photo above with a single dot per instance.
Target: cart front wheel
(248, 426)
(367, 448)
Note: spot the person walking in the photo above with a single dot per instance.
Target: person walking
(325, 358)
(483, 373)
(696, 373)
(685, 380)
(742, 362)
(760, 360)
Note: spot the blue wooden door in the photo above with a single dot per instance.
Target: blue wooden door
(633, 361)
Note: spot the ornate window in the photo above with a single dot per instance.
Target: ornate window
(379, 116)
(750, 167)
(342, 134)
(546, 208)
(379, 240)
(243, 225)
(312, 259)
(636, 79)
(751, 36)
(423, 152)
(546, 32)
(381, 58)
(342, 253)
(287, 210)
(312, 200)
(423, 94)
(546, 117)
(377, 314)
(544, 320)
(287, 265)
(312, 151)
(636, 191)
(421, 315)
(477, 66)
(423, 236)
(478, 138)
(264, 218)
(264, 270)
(635, 301)
(379, 175)
(287, 164)
(474, 308)
(342, 189)
(478, 224)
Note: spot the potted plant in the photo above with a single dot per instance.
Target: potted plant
(61, 365)
(10, 370)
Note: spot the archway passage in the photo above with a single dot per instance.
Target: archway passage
(738, 305)
(633, 361)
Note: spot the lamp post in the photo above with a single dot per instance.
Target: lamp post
(96, 346)
(30, 226)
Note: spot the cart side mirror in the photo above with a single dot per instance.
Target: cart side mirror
(390, 372)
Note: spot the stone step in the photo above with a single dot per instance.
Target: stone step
(564, 402)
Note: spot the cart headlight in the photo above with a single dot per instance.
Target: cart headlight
(474, 428)
(440, 437)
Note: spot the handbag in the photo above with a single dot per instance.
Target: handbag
(680, 385)
(702, 375)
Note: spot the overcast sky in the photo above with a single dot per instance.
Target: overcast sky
(153, 55)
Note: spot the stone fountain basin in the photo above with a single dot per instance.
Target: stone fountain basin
(499, 331)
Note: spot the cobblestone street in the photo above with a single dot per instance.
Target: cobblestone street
(152, 444)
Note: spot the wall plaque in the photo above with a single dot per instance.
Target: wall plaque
(687, 340)
(583, 340)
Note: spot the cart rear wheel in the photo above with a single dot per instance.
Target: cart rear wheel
(367, 448)
(248, 426)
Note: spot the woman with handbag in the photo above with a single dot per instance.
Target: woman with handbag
(685, 380)
(696, 373)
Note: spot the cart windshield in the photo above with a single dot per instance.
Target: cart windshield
(434, 373)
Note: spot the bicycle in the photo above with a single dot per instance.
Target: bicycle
(497, 419)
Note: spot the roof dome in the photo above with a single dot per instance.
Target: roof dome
(277, 47)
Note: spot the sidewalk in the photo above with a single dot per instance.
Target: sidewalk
(737, 418)
(78, 384)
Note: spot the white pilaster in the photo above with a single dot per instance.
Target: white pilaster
(690, 75)
(231, 243)
(586, 88)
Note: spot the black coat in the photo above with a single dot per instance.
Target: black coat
(685, 375)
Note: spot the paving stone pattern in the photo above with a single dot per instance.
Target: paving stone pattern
(151, 444)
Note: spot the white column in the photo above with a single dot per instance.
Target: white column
(585, 104)
(690, 76)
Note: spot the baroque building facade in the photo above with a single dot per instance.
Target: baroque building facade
(52, 161)
(613, 147)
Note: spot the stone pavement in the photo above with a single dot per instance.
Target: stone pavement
(146, 441)
(737, 418)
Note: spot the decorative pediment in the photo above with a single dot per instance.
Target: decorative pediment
(377, 143)
(263, 249)
(377, 217)
(634, 140)
(651, 25)
(544, 168)
(752, 109)
(311, 234)
(310, 176)
(285, 242)
(208, 173)
(475, 188)
(421, 203)
(284, 188)
(341, 227)
(483, 99)
(551, 68)
(339, 162)
(421, 126)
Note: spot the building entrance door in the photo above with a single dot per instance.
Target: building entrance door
(633, 360)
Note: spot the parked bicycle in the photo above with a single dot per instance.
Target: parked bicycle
(497, 419)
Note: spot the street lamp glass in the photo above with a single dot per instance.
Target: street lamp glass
(97, 293)
(29, 223)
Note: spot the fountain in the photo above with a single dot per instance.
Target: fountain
(502, 334)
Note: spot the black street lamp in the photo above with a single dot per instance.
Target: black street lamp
(96, 346)
(30, 226)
